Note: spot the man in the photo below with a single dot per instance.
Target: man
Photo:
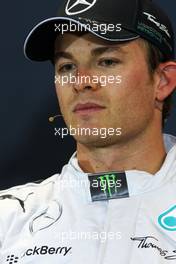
(115, 201)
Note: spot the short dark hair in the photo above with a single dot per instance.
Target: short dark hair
(154, 58)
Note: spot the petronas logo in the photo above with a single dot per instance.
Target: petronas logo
(167, 220)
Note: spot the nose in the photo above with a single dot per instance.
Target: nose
(86, 81)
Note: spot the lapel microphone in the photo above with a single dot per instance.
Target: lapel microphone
(52, 118)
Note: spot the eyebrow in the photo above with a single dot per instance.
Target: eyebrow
(62, 54)
(95, 52)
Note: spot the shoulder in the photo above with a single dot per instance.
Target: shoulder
(25, 188)
(19, 203)
(12, 200)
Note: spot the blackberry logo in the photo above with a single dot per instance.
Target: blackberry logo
(45, 250)
(12, 259)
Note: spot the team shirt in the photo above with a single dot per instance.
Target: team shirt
(80, 218)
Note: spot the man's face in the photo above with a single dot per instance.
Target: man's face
(128, 105)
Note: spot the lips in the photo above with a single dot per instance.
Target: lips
(87, 106)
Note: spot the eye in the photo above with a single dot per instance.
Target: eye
(66, 67)
(108, 62)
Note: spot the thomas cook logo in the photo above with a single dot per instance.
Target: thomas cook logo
(167, 220)
(12, 259)
(79, 6)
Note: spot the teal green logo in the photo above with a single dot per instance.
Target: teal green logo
(167, 220)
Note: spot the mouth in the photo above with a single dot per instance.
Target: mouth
(87, 108)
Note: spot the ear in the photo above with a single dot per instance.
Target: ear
(167, 83)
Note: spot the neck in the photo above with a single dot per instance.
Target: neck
(145, 153)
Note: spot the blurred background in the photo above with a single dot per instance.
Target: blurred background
(29, 150)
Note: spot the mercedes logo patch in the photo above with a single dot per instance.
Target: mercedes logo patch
(74, 7)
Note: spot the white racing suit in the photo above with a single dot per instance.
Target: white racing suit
(61, 221)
